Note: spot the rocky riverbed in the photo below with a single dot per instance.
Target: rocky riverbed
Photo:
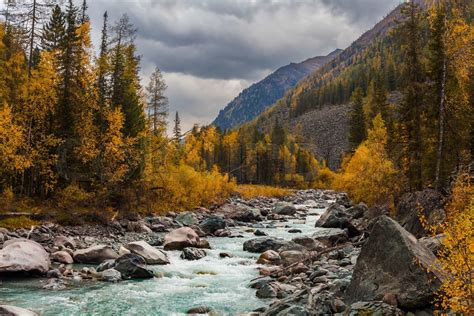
(312, 253)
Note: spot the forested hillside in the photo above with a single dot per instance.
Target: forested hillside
(255, 99)
(376, 74)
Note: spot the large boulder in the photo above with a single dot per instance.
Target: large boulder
(211, 224)
(149, 253)
(193, 254)
(23, 255)
(133, 266)
(94, 254)
(393, 262)
(269, 257)
(9, 310)
(336, 216)
(263, 244)
(284, 208)
(181, 238)
(428, 202)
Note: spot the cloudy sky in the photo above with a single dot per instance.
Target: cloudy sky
(210, 50)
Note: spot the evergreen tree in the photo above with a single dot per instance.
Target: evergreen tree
(54, 31)
(357, 131)
(103, 78)
(157, 102)
(177, 128)
(411, 109)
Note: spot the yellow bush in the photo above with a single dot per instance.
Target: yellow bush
(456, 257)
(324, 179)
(370, 175)
(249, 191)
(183, 188)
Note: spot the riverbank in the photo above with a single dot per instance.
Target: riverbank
(270, 256)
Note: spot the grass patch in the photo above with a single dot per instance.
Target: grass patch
(17, 222)
(249, 191)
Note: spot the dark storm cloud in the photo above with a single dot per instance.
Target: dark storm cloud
(210, 50)
(238, 39)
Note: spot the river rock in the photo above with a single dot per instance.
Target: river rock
(107, 264)
(309, 243)
(372, 308)
(149, 253)
(248, 215)
(23, 255)
(393, 261)
(193, 254)
(94, 254)
(274, 289)
(181, 238)
(110, 275)
(211, 224)
(343, 199)
(336, 216)
(429, 202)
(269, 257)
(199, 310)
(284, 208)
(133, 266)
(64, 241)
(262, 244)
(291, 256)
(9, 310)
(138, 227)
(330, 236)
(187, 219)
(62, 257)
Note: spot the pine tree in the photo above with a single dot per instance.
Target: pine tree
(157, 102)
(411, 109)
(177, 128)
(103, 76)
(357, 132)
(54, 31)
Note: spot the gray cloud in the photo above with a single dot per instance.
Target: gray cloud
(210, 50)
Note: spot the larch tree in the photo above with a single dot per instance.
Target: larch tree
(157, 102)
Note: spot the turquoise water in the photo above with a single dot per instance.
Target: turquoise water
(221, 284)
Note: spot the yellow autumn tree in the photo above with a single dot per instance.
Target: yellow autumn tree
(12, 140)
(456, 256)
(369, 175)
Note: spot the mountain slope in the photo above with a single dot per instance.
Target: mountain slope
(317, 108)
(255, 99)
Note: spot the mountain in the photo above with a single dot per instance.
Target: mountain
(317, 108)
(255, 99)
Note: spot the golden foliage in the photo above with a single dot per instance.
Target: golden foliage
(249, 191)
(370, 175)
(181, 187)
(456, 256)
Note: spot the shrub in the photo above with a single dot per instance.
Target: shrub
(249, 191)
(179, 188)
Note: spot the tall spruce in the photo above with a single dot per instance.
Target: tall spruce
(412, 105)
(54, 30)
(357, 132)
(177, 128)
(103, 75)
